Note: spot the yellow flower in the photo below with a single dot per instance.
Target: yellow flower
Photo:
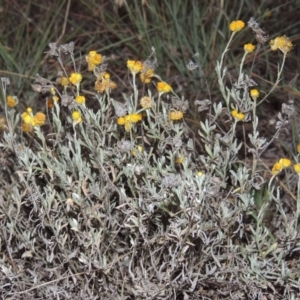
(280, 165)
(254, 94)
(285, 162)
(276, 168)
(64, 81)
(76, 116)
(29, 119)
(236, 25)
(200, 173)
(249, 48)
(128, 120)
(106, 75)
(238, 116)
(93, 59)
(282, 43)
(179, 159)
(39, 119)
(75, 78)
(121, 121)
(297, 168)
(105, 84)
(175, 115)
(146, 102)
(80, 99)
(135, 66)
(11, 101)
(298, 148)
(146, 77)
(133, 118)
(163, 87)
(27, 116)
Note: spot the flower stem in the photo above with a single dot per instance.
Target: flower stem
(277, 80)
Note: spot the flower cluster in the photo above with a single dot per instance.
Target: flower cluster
(129, 120)
(11, 101)
(75, 78)
(175, 115)
(136, 67)
(254, 94)
(163, 87)
(76, 117)
(236, 25)
(30, 120)
(104, 83)
(249, 48)
(282, 43)
(237, 115)
(93, 59)
(280, 165)
(80, 99)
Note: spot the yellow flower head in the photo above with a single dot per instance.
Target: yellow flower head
(280, 165)
(282, 43)
(254, 94)
(175, 115)
(135, 66)
(133, 118)
(106, 75)
(105, 85)
(29, 119)
(285, 162)
(146, 102)
(64, 81)
(236, 25)
(76, 116)
(200, 173)
(128, 120)
(75, 78)
(93, 59)
(27, 116)
(146, 77)
(298, 148)
(39, 119)
(249, 48)
(179, 159)
(80, 99)
(297, 168)
(238, 116)
(276, 168)
(163, 87)
(121, 121)
(11, 101)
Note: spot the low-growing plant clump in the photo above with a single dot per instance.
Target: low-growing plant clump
(112, 195)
